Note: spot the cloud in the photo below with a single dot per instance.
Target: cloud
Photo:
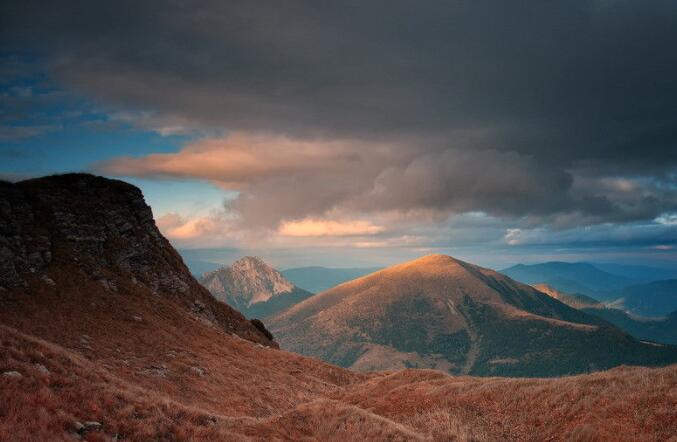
(548, 118)
(240, 158)
(455, 180)
(287, 184)
(178, 228)
(569, 83)
(315, 227)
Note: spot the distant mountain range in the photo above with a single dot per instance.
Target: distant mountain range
(638, 273)
(317, 279)
(577, 277)
(439, 312)
(253, 287)
(662, 330)
(636, 308)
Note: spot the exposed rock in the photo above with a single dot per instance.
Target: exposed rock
(104, 224)
(198, 306)
(12, 374)
(47, 280)
(86, 231)
(247, 281)
(253, 287)
(156, 370)
(81, 428)
(108, 285)
(41, 368)
(92, 425)
(198, 371)
(259, 325)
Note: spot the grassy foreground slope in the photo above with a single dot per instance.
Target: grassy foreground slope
(253, 393)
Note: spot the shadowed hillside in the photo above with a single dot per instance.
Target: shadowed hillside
(657, 298)
(662, 330)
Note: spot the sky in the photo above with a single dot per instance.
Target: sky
(360, 133)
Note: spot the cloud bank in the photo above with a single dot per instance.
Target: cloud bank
(388, 120)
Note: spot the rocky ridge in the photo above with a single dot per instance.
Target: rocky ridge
(59, 230)
(253, 287)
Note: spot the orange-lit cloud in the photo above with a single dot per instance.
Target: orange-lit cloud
(315, 227)
(239, 159)
(366, 192)
(176, 227)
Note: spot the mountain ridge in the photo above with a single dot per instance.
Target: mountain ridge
(440, 312)
(570, 277)
(253, 287)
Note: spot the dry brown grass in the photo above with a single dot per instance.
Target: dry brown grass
(633, 404)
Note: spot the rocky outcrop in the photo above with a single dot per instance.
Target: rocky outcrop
(253, 287)
(90, 228)
(247, 281)
(103, 225)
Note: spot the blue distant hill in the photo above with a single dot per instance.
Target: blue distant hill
(577, 277)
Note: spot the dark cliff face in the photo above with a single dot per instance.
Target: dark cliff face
(87, 228)
(103, 225)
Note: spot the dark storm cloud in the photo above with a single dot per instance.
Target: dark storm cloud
(561, 112)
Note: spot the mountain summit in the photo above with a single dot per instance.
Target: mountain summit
(440, 312)
(253, 287)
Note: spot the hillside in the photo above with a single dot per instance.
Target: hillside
(318, 279)
(657, 298)
(578, 277)
(439, 312)
(574, 300)
(101, 342)
(253, 287)
(662, 330)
